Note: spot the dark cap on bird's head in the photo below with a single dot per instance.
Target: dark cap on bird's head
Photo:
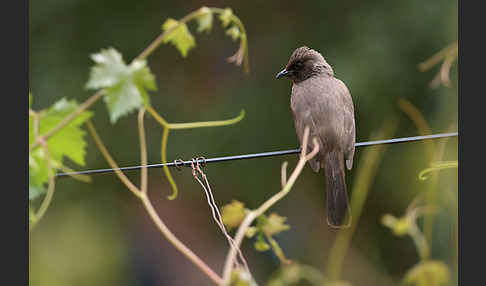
(305, 63)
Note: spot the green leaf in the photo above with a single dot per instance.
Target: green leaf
(35, 191)
(125, 85)
(292, 274)
(251, 231)
(274, 224)
(430, 273)
(205, 20)
(260, 243)
(180, 36)
(109, 70)
(399, 226)
(31, 214)
(226, 17)
(233, 32)
(233, 214)
(67, 142)
(38, 173)
(240, 277)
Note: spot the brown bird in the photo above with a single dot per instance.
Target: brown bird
(323, 102)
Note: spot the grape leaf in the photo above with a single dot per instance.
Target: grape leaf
(260, 243)
(68, 141)
(399, 226)
(274, 224)
(205, 20)
(180, 36)
(240, 277)
(430, 272)
(234, 33)
(233, 213)
(125, 85)
(226, 16)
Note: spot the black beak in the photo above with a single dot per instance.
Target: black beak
(283, 73)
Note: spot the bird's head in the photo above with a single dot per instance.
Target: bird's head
(305, 63)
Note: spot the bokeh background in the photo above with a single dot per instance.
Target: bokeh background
(98, 234)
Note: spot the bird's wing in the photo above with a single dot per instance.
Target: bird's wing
(300, 123)
(349, 135)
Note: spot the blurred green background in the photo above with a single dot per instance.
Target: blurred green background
(98, 234)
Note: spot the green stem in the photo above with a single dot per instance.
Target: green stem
(110, 160)
(163, 152)
(158, 41)
(177, 243)
(436, 58)
(208, 123)
(50, 189)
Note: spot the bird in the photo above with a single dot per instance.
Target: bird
(323, 103)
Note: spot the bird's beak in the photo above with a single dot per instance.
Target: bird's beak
(283, 73)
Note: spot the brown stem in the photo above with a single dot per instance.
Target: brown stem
(143, 151)
(252, 215)
(178, 244)
(110, 160)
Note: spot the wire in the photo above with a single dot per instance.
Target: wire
(260, 155)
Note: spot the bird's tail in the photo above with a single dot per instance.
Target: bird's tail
(337, 197)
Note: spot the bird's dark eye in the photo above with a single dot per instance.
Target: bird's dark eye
(298, 65)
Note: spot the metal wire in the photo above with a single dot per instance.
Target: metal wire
(179, 163)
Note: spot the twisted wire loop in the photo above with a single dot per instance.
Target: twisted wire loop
(203, 159)
(196, 165)
(194, 174)
(178, 163)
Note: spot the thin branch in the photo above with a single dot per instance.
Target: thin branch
(151, 211)
(436, 58)
(177, 243)
(143, 151)
(158, 41)
(110, 160)
(163, 152)
(50, 189)
(284, 174)
(75, 175)
(157, 116)
(252, 215)
(208, 123)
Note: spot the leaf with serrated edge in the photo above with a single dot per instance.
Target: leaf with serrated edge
(180, 37)
(226, 16)
(125, 86)
(432, 272)
(234, 33)
(274, 224)
(233, 213)
(68, 141)
(260, 244)
(205, 20)
(110, 69)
